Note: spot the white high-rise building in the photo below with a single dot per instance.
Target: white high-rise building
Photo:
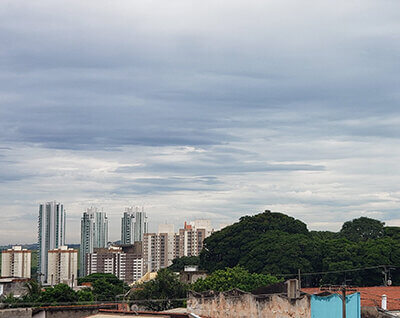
(51, 233)
(94, 234)
(134, 225)
(16, 262)
(62, 266)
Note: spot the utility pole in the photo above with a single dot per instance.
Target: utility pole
(299, 273)
(343, 289)
(344, 301)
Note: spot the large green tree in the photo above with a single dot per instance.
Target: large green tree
(178, 264)
(105, 287)
(362, 229)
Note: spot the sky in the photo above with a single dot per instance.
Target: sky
(199, 109)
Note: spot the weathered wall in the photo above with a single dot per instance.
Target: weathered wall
(244, 305)
(16, 313)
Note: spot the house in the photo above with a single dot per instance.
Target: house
(386, 298)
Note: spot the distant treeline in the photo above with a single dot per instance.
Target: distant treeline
(274, 243)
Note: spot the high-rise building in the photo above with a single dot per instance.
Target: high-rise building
(159, 249)
(62, 266)
(94, 234)
(125, 262)
(192, 236)
(51, 233)
(16, 262)
(134, 225)
(127, 227)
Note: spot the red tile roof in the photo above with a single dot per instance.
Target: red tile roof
(372, 296)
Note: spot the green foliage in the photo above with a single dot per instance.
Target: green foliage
(362, 229)
(105, 287)
(162, 293)
(225, 248)
(178, 264)
(85, 295)
(230, 278)
(59, 294)
(273, 243)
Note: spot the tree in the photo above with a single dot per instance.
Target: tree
(105, 287)
(162, 293)
(230, 278)
(57, 295)
(178, 264)
(362, 229)
(85, 295)
(232, 245)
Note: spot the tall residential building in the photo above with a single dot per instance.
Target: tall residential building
(94, 234)
(125, 262)
(191, 237)
(51, 233)
(127, 227)
(62, 266)
(134, 225)
(16, 262)
(159, 249)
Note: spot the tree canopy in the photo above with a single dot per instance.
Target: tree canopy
(178, 264)
(362, 229)
(274, 243)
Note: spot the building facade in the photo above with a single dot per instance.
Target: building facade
(159, 249)
(62, 266)
(125, 262)
(94, 234)
(51, 233)
(16, 262)
(134, 225)
(191, 237)
(127, 227)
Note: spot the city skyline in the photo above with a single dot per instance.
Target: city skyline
(208, 110)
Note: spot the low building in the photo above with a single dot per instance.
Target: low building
(15, 286)
(16, 262)
(62, 266)
(191, 274)
(384, 298)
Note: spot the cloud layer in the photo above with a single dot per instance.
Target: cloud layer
(211, 109)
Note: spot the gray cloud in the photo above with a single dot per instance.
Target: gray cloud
(212, 108)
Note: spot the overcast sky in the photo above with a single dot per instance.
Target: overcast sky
(199, 109)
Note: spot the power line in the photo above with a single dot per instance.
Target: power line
(336, 271)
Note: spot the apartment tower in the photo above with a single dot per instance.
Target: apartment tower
(51, 233)
(62, 266)
(16, 262)
(94, 234)
(134, 225)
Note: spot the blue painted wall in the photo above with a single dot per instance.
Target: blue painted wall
(331, 306)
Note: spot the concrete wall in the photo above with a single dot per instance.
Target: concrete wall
(16, 313)
(67, 313)
(245, 305)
